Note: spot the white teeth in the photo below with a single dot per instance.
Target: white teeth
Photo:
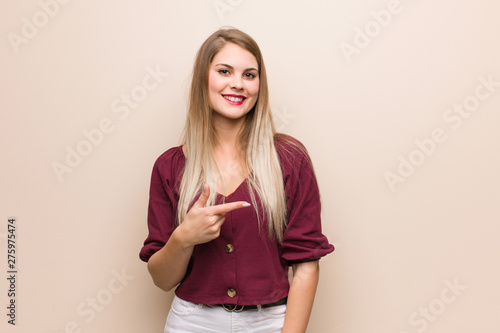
(233, 99)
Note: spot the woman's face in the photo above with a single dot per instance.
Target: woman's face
(233, 82)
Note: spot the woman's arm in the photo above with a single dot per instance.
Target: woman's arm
(202, 224)
(168, 266)
(301, 296)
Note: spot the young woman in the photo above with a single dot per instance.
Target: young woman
(234, 206)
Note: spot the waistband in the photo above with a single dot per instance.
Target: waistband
(239, 308)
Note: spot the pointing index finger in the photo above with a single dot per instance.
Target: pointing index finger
(227, 207)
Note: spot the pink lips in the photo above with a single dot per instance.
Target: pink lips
(233, 102)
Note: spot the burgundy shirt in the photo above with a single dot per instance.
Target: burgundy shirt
(242, 266)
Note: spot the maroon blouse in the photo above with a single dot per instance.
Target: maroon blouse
(242, 266)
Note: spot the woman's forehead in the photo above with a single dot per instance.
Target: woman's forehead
(235, 56)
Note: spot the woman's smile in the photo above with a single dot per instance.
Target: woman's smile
(234, 99)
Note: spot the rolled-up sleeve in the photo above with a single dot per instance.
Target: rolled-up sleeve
(162, 206)
(303, 239)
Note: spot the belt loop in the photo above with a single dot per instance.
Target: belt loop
(259, 308)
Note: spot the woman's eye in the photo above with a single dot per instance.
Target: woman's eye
(223, 71)
(250, 75)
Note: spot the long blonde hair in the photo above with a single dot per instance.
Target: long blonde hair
(256, 139)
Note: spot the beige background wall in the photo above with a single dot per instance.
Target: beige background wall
(400, 121)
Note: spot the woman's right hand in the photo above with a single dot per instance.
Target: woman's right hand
(202, 224)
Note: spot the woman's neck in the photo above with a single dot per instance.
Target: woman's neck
(227, 132)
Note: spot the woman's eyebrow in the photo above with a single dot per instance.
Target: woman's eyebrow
(231, 67)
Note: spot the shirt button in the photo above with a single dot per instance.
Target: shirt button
(231, 292)
(229, 248)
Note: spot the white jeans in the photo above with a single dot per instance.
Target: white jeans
(187, 317)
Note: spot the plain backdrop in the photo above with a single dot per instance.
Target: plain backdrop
(397, 102)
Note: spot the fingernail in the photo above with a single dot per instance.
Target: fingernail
(246, 204)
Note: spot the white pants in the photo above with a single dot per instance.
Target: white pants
(187, 317)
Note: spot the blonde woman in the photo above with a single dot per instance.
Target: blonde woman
(234, 206)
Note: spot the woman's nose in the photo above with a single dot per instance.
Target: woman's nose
(236, 82)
